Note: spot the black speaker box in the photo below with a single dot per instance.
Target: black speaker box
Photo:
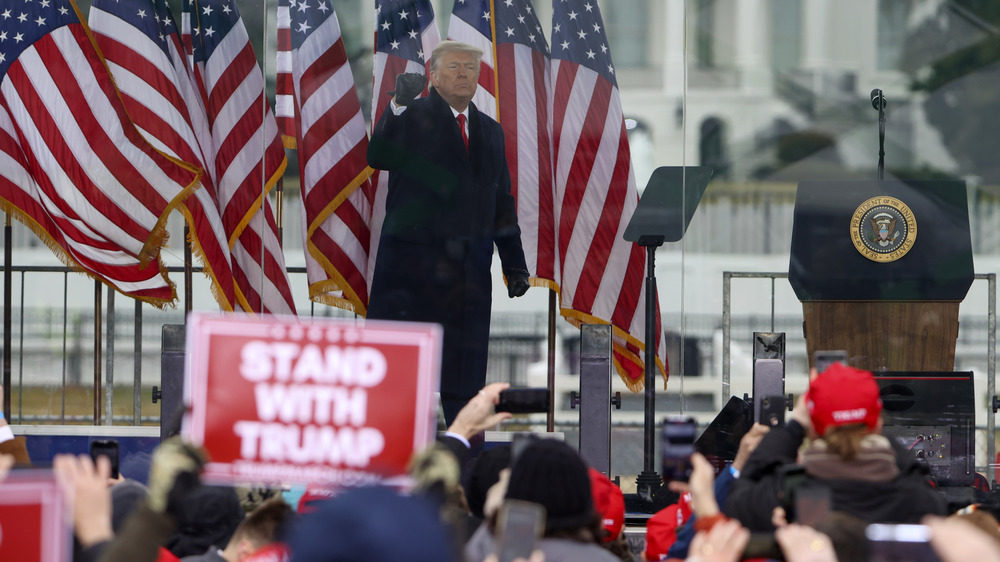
(933, 414)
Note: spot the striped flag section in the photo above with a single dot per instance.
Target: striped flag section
(516, 93)
(74, 168)
(595, 194)
(405, 35)
(332, 145)
(141, 42)
(246, 155)
(284, 91)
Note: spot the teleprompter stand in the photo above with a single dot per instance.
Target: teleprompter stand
(662, 215)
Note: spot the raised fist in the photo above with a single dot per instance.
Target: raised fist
(408, 86)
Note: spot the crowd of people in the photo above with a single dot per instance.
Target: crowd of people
(460, 499)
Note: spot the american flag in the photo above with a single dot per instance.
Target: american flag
(74, 168)
(332, 147)
(141, 43)
(405, 35)
(602, 274)
(522, 99)
(247, 155)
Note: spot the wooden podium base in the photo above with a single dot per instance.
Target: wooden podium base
(885, 336)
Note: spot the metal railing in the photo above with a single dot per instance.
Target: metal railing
(87, 325)
(53, 347)
(518, 342)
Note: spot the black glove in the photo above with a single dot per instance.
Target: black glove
(408, 86)
(517, 282)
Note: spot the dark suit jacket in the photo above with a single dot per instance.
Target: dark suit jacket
(445, 209)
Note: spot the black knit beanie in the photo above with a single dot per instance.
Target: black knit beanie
(551, 473)
(208, 516)
(483, 472)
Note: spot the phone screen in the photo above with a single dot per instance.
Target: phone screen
(678, 444)
(107, 448)
(900, 543)
(519, 525)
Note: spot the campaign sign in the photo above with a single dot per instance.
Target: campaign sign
(328, 402)
(32, 525)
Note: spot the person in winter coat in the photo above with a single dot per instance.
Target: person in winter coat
(449, 202)
(869, 475)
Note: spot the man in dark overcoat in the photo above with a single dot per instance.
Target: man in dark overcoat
(449, 201)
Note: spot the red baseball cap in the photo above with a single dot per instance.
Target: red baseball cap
(843, 395)
(661, 531)
(609, 503)
(684, 502)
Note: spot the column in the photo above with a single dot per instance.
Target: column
(753, 45)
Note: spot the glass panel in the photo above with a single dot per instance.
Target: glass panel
(807, 115)
(766, 93)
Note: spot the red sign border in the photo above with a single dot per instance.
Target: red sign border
(42, 486)
(201, 326)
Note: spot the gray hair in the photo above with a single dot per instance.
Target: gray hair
(449, 46)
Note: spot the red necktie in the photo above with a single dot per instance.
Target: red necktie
(461, 127)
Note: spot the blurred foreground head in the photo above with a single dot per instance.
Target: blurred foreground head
(549, 472)
(373, 524)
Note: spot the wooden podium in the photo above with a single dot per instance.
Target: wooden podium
(881, 268)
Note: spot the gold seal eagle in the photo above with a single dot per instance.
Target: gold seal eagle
(883, 229)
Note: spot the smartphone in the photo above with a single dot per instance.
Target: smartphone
(519, 526)
(792, 477)
(518, 443)
(812, 504)
(900, 543)
(824, 358)
(678, 444)
(772, 411)
(524, 400)
(107, 448)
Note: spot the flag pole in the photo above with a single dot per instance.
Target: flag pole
(279, 209)
(97, 352)
(551, 380)
(188, 278)
(8, 253)
(263, 169)
(109, 369)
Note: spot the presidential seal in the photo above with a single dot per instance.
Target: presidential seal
(883, 229)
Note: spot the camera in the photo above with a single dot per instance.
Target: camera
(524, 400)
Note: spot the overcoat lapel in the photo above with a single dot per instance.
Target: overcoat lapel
(452, 136)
